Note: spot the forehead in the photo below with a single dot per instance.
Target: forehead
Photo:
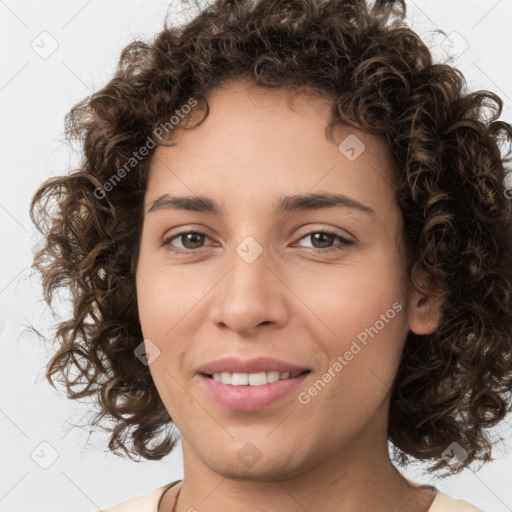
(261, 142)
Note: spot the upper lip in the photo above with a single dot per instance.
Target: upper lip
(233, 364)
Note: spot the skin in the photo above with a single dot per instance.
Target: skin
(290, 303)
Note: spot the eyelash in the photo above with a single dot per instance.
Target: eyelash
(345, 243)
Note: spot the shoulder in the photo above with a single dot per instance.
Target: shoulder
(445, 503)
(146, 503)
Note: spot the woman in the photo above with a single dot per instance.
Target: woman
(290, 238)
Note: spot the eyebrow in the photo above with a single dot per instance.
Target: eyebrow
(284, 204)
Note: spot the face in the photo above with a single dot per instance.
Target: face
(267, 282)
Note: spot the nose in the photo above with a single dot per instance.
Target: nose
(252, 293)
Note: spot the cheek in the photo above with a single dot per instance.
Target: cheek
(362, 329)
(165, 293)
(345, 301)
(363, 360)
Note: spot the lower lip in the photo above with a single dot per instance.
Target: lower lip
(250, 398)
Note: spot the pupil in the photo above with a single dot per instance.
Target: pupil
(193, 235)
(322, 235)
(324, 239)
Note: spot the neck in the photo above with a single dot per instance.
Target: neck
(359, 478)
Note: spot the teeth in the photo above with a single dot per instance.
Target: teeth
(252, 379)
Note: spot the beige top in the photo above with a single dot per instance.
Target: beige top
(150, 502)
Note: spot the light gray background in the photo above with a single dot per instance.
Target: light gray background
(35, 94)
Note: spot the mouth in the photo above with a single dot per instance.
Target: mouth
(251, 392)
(252, 379)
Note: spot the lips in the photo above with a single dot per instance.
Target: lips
(251, 398)
(234, 364)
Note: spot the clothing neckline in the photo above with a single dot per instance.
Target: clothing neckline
(433, 488)
(165, 488)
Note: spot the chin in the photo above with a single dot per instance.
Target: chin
(260, 472)
(248, 463)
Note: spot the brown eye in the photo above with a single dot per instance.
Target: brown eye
(322, 241)
(191, 240)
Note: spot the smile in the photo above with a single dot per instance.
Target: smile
(250, 392)
(253, 379)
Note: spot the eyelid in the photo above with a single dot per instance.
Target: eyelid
(345, 242)
(310, 230)
(167, 238)
(343, 233)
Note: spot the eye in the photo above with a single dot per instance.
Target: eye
(325, 238)
(193, 240)
(190, 238)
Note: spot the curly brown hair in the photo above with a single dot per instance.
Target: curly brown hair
(449, 149)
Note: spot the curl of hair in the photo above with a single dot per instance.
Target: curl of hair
(448, 146)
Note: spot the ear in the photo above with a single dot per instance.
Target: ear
(424, 310)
